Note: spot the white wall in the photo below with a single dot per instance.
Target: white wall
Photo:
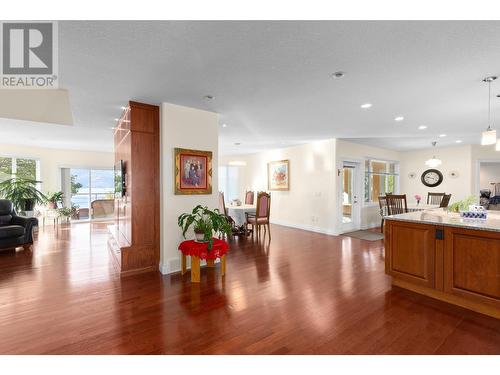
(310, 202)
(52, 160)
(458, 159)
(192, 129)
(370, 216)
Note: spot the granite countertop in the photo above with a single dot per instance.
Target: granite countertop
(443, 217)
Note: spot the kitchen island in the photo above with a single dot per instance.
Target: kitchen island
(440, 255)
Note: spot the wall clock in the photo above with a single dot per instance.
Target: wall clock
(432, 178)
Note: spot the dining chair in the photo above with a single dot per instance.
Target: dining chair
(223, 210)
(445, 201)
(435, 198)
(261, 216)
(249, 196)
(382, 202)
(396, 204)
(222, 203)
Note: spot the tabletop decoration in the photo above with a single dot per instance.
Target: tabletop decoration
(474, 212)
(200, 249)
(418, 198)
(205, 222)
(462, 205)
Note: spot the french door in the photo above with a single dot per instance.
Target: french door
(350, 199)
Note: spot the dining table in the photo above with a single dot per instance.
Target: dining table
(238, 213)
(412, 207)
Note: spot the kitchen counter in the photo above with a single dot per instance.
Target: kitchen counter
(446, 257)
(440, 216)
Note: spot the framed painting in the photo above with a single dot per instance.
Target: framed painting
(278, 175)
(193, 171)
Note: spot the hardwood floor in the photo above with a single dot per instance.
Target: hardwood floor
(304, 293)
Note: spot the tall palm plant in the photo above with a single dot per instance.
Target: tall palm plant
(22, 192)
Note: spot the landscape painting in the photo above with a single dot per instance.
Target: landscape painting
(278, 175)
(193, 172)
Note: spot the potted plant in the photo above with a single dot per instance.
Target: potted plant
(23, 193)
(53, 199)
(462, 205)
(205, 222)
(68, 212)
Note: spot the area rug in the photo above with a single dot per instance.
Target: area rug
(365, 235)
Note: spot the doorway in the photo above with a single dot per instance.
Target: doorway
(350, 209)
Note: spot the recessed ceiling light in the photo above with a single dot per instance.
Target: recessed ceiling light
(224, 125)
(458, 141)
(366, 105)
(442, 135)
(338, 75)
(209, 97)
(399, 118)
(422, 127)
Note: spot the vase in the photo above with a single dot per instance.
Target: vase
(199, 236)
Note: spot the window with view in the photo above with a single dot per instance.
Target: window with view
(381, 177)
(18, 167)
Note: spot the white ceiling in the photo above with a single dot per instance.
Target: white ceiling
(271, 80)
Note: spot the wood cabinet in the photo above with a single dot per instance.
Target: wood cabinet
(416, 256)
(135, 236)
(456, 265)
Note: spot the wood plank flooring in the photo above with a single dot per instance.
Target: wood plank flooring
(304, 293)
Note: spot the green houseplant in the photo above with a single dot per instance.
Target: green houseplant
(68, 212)
(462, 205)
(22, 192)
(205, 222)
(54, 198)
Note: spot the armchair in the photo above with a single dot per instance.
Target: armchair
(15, 230)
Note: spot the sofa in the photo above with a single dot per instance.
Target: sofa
(15, 230)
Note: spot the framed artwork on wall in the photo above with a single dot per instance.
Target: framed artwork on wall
(278, 175)
(193, 171)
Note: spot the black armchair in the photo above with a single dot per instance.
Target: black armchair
(15, 230)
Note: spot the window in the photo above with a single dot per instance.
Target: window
(229, 182)
(381, 177)
(21, 167)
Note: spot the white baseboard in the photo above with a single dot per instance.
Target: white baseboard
(308, 228)
(370, 225)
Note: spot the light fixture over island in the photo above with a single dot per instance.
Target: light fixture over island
(443, 256)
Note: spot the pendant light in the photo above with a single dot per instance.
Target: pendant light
(433, 162)
(489, 136)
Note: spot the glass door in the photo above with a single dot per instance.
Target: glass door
(350, 208)
(92, 192)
